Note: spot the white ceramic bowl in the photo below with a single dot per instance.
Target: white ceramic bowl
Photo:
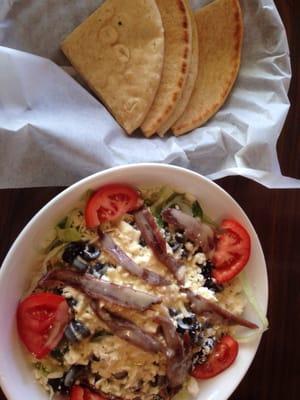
(16, 377)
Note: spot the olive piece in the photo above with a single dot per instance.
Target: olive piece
(80, 264)
(172, 311)
(72, 250)
(76, 331)
(179, 237)
(142, 242)
(90, 252)
(98, 269)
(187, 323)
(58, 385)
(207, 346)
(210, 282)
(71, 302)
(79, 254)
(74, 372)
(59, 351)
(174, 245)
(191, 325)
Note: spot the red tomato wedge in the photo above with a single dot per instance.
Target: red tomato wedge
(80, 393)
(222, 356)
(232, 251)
(41, 321)
(77, 393)
(109, 203)
(92, 396)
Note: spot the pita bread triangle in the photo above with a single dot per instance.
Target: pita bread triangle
(190, 82)
(220, 33)
(119, 52)
(178, 50)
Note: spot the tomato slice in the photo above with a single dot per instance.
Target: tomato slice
(222, 356)
(77, 393)
(109, 203)
(80, 393)
(232, 251)
(41, 321)
(88, 395)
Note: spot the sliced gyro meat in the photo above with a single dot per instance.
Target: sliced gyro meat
(127, 330)
(154, 239)
(179, 360)
(119, 256)
(196, 231)
(202, 306)
(99, 289)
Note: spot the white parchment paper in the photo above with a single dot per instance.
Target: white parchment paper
(54, 132)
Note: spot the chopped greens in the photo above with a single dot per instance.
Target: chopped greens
(166, 194)
(167, 198)
(197, 210)
(62, 223)
(68, 234)
(86, 195)
(207, 220)
(40, 367)
(55, 243)
(248, 337)
(69, 229)
(253, 301)
(59, 352)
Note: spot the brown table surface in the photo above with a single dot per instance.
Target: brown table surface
(275, 214)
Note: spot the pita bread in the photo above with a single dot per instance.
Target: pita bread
(190, 82)
(119, 52)
(178, 49)
(220, 30)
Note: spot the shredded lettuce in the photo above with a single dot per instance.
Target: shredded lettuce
(71, 228)
(53, 253)
(74, 228)
(197, 210)
(181, 201)
(207, 220)
(182, 395)
(68, 234)
(62, 223)
(167, 198)
(86, 195)
(40, 367)
(165, 195)
(256, 307)
(77, 222)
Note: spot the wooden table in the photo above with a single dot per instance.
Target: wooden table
(275, 214)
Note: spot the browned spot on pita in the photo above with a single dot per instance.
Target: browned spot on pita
(181, 5)
(186, 36)
(184, 68)
(180, 82)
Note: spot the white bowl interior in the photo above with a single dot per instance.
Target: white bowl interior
(16, 377)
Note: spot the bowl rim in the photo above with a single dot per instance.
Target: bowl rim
(76, 185)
